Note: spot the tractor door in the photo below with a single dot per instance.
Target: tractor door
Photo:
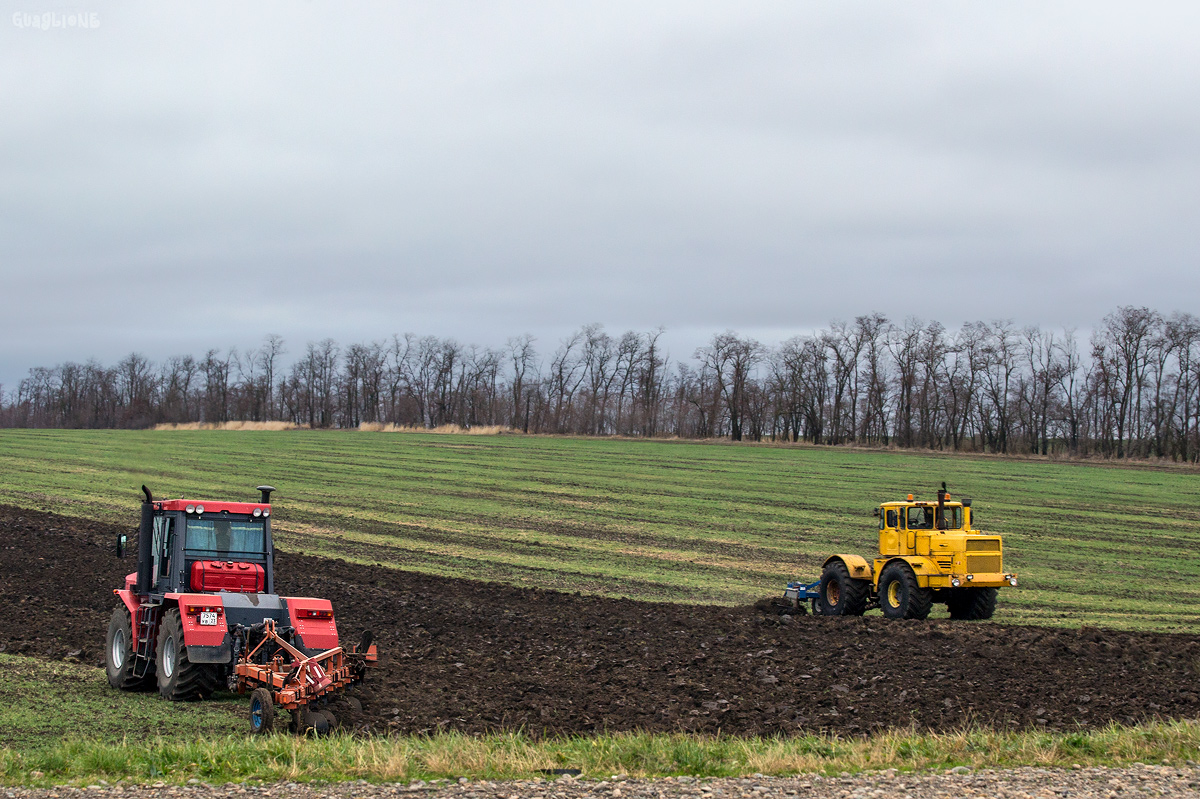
(164, 544)
(890, 536)
(919, 521)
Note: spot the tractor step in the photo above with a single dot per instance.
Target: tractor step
(146, 630)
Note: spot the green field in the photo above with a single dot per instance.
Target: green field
(1094, 544)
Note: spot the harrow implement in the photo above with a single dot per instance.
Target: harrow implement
(279, 675)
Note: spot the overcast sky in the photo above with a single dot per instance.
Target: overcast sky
(177, 177)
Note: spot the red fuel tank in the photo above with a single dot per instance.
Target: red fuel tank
(219, 575)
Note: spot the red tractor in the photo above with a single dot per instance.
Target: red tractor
(201, 614)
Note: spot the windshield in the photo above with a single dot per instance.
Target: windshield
(221, 538)
(920, 518)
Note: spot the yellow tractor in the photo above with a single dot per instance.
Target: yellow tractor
(928, 552)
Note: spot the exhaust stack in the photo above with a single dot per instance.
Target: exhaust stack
(145, 561)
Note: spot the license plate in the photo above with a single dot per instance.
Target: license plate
(208, 619)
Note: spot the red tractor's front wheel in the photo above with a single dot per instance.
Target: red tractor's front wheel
(119, 656)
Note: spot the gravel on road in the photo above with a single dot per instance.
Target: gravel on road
(959, 783)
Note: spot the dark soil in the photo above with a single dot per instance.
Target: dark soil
(481, 657)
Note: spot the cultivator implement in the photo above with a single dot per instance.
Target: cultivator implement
(278, 675)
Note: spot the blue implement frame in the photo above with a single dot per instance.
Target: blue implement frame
(803, 592)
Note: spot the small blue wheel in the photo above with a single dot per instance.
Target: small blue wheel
(262, 712)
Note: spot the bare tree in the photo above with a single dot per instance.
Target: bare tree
(523, 358)
(872, 333)
(1123, 352)
(731, 360)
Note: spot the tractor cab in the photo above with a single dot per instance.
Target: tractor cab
(208, 547)
(917, 527)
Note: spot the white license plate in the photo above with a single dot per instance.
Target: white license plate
(208, 619)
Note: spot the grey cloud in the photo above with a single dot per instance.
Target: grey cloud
(483, 170)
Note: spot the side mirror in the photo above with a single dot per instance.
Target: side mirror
(122, 540)
(875, 511)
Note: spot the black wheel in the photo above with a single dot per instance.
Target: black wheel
(972, 604)
(178, 678)
(899, 595)
(841, 594)
(262, 711)
(308, 721)
(330, 718)
(119, 658)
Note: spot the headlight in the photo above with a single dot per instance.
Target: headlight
(199, 509)
(257, 512)
(970, 577)
(954, 581)
(1012, 581)
(191, 508)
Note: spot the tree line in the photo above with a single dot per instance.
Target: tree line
(1131, 390)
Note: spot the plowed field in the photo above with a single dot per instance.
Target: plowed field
(479, 657)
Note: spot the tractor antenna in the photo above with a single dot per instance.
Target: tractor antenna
(146, 491)
(265, 494)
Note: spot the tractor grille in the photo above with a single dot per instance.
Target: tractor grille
(983, 545)
(945, 564)
(982, 564)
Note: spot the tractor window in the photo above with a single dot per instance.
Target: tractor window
(892, 518)
(163, 538)
(920, 518)
(952, 518)
(221, 538)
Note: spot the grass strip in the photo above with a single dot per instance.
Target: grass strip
(280, 757)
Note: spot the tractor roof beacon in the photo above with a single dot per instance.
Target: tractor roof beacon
(200, 613)
(929, 552)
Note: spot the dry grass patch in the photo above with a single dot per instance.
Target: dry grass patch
(256, 426)
(450, 429)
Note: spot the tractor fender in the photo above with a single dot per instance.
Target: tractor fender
(190, 608)
(206, 643)
(130, 600)
(313, 620)
(921, 566)
(856, 564)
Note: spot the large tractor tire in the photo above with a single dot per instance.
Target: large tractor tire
(972, 604)
(119, 657)
(179, 679)
(900, 596)
(841, 594)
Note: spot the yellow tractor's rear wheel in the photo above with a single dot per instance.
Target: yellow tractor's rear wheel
(900, 596)
(841, 594)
